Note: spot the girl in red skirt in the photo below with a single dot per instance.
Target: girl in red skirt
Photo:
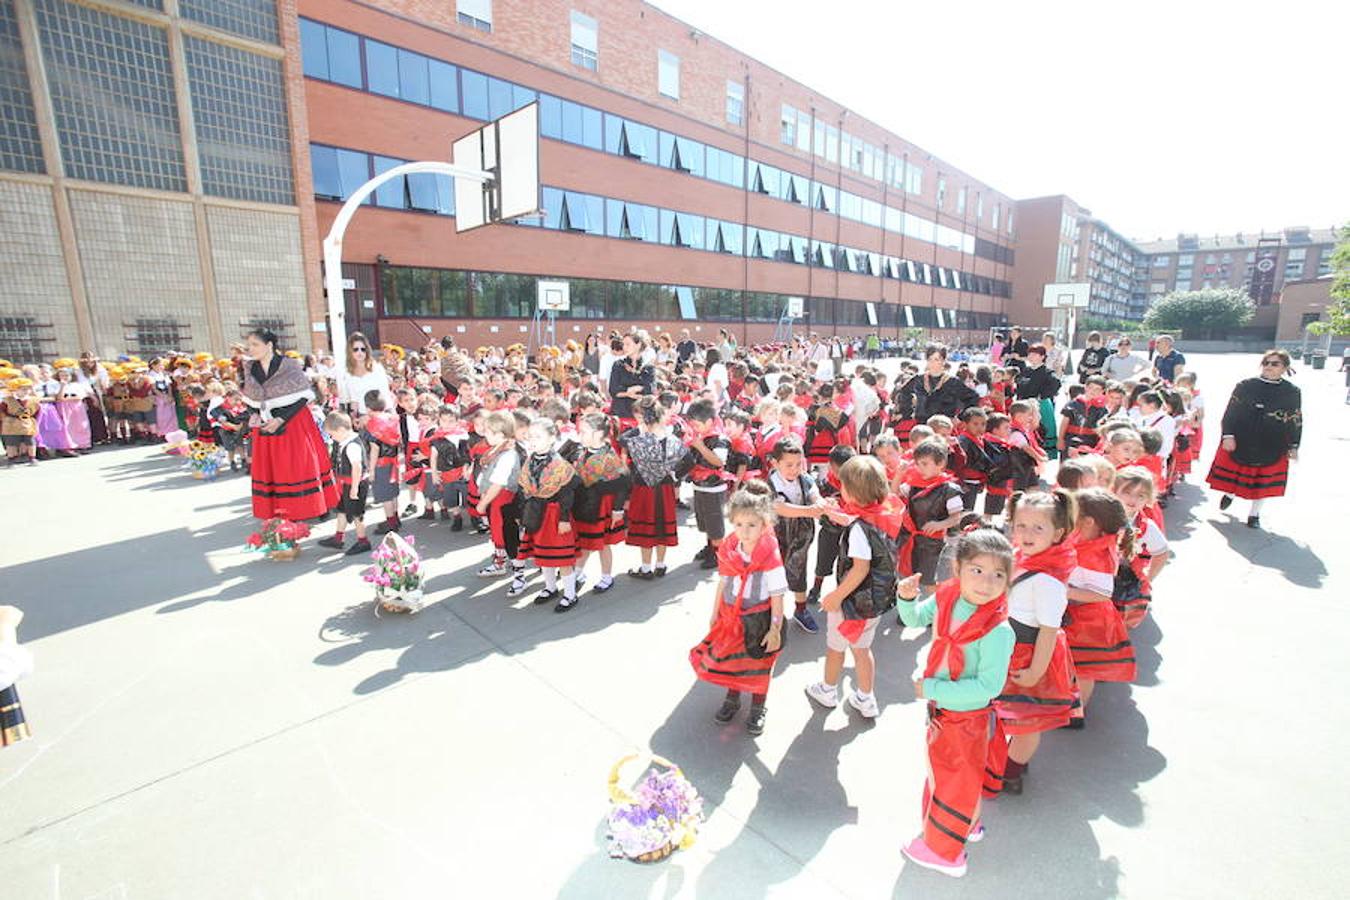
(1039, 694)
(605, 485)
(1134, 580)
(966, 668)
(1098, 642)
(548, 486)
(655, 457)
(745, 633)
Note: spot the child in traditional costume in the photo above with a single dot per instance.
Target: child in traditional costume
(348, 461)
(15, 662)
(449, 465)
(745, 633)
(966, 667)
(598, 513)
(709, 476)
(827, 545)
(18, 421)
(498, 481)
(548, 486)
(1039, 694)
(1134, 581)
(657, 461)
(797, 504)
(933, 506)
(1098, 642)
(384, 440)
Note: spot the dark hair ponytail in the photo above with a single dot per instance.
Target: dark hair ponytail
(267, 336)
(648, 410)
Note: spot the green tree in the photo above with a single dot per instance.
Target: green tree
(1200, 314)
(1338, 314)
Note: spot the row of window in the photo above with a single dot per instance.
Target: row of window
(332, 54)
(422, 292)
(338, 172)
(801, 130)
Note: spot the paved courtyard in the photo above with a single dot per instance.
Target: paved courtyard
(209, 724)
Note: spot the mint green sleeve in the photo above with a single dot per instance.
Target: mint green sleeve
(916, 613)
(976, 689)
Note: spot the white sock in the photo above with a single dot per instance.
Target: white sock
(1256, 506)
(862, 695)
(606, 578)
(550, 579)
(570, 584)
(645, 567)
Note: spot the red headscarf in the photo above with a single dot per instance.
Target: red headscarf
(948, 641)
(731, 564)
(918, 485)
(1058, 561)
(888, 515)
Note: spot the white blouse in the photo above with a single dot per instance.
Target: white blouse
(352, 388)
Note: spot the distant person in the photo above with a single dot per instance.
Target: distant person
(1123, 365)
(1093, 357)
(1168, 363)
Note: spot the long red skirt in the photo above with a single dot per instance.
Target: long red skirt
(548, 546)
(720, 658)
(1046, 704)
(1098, 642)
(601, 533)
(958, 747)
(292, 475)
(1248, 482)
(651, 516)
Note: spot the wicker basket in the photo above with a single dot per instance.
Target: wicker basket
(619, 795)
(653, 856)
(285, 554)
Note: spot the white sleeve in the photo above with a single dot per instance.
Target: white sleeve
(1168, 427)
(1050, 598)
(812, 494)
(955, 504)
(775, 581)
(17, 661)
(354, 454)
(501, 469)
(858, 547)
(1092, 580)
(1154, 540)
(721, 453)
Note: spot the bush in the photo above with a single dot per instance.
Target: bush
(1200, 314)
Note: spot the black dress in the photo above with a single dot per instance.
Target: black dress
(1265, 418)
(924, 396)
(624, 375)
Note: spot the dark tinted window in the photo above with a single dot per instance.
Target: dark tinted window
(444, 80)
(475, 94)
(344, 58)
(413, 84)
(382, 68)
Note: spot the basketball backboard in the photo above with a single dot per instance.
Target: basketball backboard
(1066, 295)
(796, 307)
(509, 149)
(554, 296)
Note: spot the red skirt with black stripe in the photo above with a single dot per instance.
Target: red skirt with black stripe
(721, 658)
(548, 546)
(1098, 642)
(1248, 482)
(601, 533)
(292, 473)
(651, 516)
(958, 748)
(1046, 704)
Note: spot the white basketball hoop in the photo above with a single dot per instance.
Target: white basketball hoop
(509, 149)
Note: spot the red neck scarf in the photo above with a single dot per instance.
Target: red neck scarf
(764, 557)
(1099, 400)
(1058, 561)
(1101, 554)
(919, 484)
(888, 515)
(948, 641)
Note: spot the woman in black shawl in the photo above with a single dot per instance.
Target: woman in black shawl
(934, 391)
(292, 474)
(1262, 427)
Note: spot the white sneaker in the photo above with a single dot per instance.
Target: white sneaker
(517, 585)
(823, 694)
(866, 708)
(492, 570)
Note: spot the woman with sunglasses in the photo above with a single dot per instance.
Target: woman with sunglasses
(1262, 427)
(361, 374)
(292, 472)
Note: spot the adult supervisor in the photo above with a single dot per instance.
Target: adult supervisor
(1168, 363)
(1262, 427)
(361, 375)
(292, 475)
(629, 379)
(934, 392)
(1123, 365)
(1039, 385)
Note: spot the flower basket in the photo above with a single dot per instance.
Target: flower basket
(657, 817)
(279, 539)
(396, 574)
(205, 460)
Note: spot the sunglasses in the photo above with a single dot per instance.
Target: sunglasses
(358, 349)
(1272, 362)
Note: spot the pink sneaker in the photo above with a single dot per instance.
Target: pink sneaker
(976, 834)
(916, 851)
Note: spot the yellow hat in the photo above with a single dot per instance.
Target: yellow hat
(6, 364)
(293, 354)
(202, 357)
(7, 372)
(223, 364)
(16, 383)
(65, 362)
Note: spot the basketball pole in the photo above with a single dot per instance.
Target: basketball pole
(332, 244)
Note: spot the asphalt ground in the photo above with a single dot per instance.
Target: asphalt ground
(212, 724)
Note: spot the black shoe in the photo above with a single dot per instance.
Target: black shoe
(708, 562)
(361, 546)
(1077, 724)
(565, 604)
(727, 711)
(428, 513)
(1013, 786)
(754, 723)
(813, 596)
(445, 515)
(333, 541)
(409, 510)
(1254, 522)
(638, 573)
(703, 554)
(389, 526)
(481, 528)
(1225, 501)
(546, 596)
(457, 524)
(659, 571)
